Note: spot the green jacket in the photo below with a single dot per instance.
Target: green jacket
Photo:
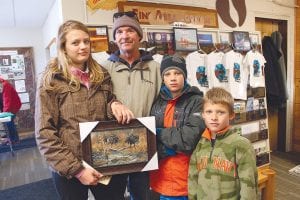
(225, 170)
(137, 85)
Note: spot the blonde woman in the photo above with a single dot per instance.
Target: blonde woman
(73, 89)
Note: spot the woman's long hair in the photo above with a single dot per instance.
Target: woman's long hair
(61, 63)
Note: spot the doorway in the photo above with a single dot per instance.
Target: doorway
(276, 116)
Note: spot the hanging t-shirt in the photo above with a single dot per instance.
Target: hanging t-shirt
(217, 74)
(196, 70)
(157, 57)
(238, 74)
(255, 62)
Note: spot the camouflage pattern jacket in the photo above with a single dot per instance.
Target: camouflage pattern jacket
(225, 170)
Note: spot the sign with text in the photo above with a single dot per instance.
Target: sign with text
(165, 14)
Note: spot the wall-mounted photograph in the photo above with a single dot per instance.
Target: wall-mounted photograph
(185, 39)
(241, 40)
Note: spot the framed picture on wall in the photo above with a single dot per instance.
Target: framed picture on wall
(99, 38)
(241, 40)
(185, 39)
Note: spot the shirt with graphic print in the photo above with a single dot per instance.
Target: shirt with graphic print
(197, 70)
(255, 62)
(238, 74)
(216, 72)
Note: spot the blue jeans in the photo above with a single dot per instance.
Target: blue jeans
(73, 189)
(13, 134)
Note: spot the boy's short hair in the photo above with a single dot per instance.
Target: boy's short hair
(217, 95)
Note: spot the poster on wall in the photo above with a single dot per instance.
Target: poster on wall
(205, 39)
(20, 86)
(164, 42)
(24, 97)
(185, 39)
(241, 40)
(12, 67)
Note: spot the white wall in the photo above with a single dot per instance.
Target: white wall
(25, 38)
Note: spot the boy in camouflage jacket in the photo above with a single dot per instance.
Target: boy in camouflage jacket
(223, 165)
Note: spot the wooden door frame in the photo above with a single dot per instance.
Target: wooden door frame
(289, 48)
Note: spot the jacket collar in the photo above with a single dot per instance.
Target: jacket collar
(145, 56)
(207, 134)
(187, 89)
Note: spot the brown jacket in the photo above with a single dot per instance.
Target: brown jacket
(58, 113)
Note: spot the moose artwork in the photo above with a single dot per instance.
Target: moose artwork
(119, 147)
(114, 148)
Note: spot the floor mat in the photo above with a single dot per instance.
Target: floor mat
(25, 143)
(40, 190)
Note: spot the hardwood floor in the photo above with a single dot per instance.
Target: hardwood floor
(25, 167)
(28, 166)
(287, 187)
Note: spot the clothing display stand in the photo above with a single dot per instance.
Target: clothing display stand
(251, 112)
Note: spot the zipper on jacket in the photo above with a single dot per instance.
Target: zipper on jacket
(212, 148)
(130, 70)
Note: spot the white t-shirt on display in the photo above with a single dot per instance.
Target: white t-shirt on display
(196, 70)
(238, 74)
(217, 74)
(157, 57)
(255, 62)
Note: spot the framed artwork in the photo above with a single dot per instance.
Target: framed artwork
(185, 39)
(205, 39)
(113, 148)
(163, 41)
(5, 60)
(99, 38)
(241, 40)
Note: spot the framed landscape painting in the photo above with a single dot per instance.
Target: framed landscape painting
(113, 148)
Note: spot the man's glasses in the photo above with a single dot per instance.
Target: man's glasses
(130, 14)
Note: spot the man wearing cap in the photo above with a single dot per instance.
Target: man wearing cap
(136, 81)
(179, 128)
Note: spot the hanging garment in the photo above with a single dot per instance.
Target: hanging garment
(217, 74)
(274, 79)
(277, 40)
(255, 62)
(197, 70)
(238, 74)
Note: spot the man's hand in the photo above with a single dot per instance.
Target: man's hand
(121, 112)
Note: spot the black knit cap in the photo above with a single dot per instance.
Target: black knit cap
(173, 62)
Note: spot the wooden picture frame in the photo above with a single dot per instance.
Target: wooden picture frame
(185, 39)
(99, 38)
(113, 148)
